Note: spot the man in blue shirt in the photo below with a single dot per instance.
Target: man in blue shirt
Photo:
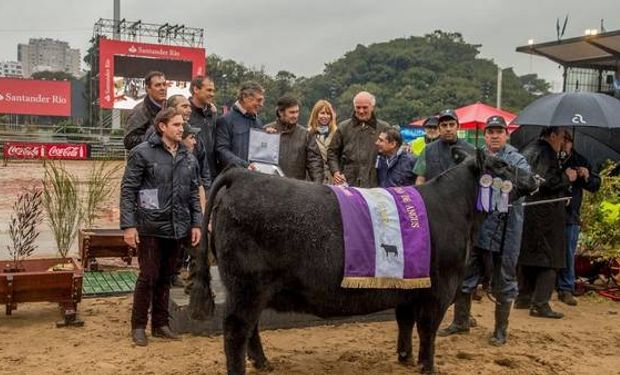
(394, 167)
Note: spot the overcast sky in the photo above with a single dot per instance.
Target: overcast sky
(301, 36)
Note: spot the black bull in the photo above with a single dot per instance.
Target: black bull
(279, 245)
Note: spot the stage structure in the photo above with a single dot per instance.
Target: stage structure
(124, 52)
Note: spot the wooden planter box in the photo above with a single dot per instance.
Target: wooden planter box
(103, 243)
(37, 282)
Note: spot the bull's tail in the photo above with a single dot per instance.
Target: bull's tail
(202, 298)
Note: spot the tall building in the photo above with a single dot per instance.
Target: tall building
(11, 69)
(48, 54)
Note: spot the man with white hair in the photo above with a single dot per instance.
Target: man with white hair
(352, 153)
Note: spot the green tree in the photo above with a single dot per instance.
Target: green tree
(410, 77)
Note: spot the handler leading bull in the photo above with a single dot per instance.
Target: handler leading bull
(500, 235)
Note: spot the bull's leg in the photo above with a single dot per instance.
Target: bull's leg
(256, 353)
(243, 309)
(405, 317)
(428, 322)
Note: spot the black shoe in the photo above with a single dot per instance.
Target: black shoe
(567, 297)
(165, 333)
(545, 312)
(452, 329)
(139, 337)
(522, 305)
(461, 322)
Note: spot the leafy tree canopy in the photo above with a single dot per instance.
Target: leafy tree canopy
(411, 77)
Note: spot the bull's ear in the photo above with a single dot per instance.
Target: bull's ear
(459, 154)
(480, 158)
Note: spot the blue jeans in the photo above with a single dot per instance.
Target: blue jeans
(506, 286)
(566, 276)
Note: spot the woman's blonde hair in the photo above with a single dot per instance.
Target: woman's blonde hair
(313, 122)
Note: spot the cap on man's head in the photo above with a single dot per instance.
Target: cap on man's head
(447, 114)
(188, 129)
(496, 122)
(430, 122)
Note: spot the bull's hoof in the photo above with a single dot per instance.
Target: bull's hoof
(427, 369)
(406, 359)
(263, 366)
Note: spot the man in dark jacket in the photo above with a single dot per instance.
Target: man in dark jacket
(394, 166)
(542, 247)
(499, 237)
(586, 180)
(352, 153)
(437, 155)
(142, 115)
(160, 208)
(203, 117)
(183, 105)
(232, 130)
(299, 155)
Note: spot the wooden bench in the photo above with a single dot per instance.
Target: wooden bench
(103, 243)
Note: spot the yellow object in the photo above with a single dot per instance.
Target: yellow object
(385, 283)
(611, 212)
(417, 146)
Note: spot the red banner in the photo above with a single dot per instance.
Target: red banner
(35, 97)
(109, 48)
(31, 150)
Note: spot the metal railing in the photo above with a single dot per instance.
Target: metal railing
(103, 142)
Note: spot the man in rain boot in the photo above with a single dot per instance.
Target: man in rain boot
(499, 235)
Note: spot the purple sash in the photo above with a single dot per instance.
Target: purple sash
(386, 238)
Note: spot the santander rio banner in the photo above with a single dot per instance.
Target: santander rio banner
(123, 65)
(35, 97)
(31, 150)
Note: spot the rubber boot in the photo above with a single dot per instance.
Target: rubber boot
(502, 312)
(460, 323)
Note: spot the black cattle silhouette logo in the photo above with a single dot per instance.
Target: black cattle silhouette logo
(390, 249)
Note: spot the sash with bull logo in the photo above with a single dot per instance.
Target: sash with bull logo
(386, 238)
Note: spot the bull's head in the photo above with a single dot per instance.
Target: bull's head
(523, 182)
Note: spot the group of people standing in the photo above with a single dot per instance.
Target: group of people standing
(177, 146)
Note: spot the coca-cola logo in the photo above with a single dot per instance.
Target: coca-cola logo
(64, 152)
(24, 151)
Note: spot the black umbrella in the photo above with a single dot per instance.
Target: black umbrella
(594, 119)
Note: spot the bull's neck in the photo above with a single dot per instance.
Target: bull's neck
(459, 188)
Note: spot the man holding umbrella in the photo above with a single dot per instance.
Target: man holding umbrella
(594, 120)
(542, 246)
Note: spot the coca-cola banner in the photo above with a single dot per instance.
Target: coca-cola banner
(35, 97)
(123, 65)
(31, 150)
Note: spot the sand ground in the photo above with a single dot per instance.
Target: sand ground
(587, 341)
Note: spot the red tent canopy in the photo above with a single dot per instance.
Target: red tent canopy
(476, 115)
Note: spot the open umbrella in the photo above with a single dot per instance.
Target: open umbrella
(594, 119)
(475, 116)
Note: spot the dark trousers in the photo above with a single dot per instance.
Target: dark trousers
(536, 285)
(157, 258)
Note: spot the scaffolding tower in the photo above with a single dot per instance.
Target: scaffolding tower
(135, 31)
